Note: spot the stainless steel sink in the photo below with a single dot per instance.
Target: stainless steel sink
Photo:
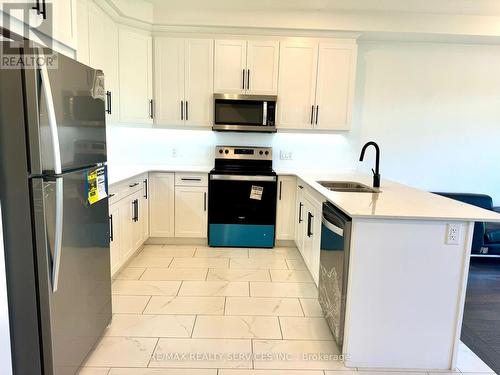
(347, 186)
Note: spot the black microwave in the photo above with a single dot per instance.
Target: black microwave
(251, 113)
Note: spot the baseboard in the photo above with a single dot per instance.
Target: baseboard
(176, 241)
(285, 243)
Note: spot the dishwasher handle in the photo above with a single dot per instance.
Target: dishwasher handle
(332, 227)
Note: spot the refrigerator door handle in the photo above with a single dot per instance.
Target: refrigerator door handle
(58, 233)
(51, 115)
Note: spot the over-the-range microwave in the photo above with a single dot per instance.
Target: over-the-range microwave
(251, 113)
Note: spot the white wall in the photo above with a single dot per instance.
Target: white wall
(433, 108)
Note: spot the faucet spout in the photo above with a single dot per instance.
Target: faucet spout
(376, 172)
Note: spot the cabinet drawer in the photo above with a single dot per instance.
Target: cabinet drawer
(191, 179)
(127, 187)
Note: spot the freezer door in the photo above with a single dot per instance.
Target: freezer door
(65, 115)
(74, 278)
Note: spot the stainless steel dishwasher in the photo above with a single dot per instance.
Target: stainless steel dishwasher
(334, 266)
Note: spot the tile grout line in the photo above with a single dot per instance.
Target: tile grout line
(153, 352)
(194, 325)
(179, 289)
(301, 307)
(224, 310)
(146, 305)
(281, 329)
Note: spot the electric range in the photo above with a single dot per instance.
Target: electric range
(242, 194)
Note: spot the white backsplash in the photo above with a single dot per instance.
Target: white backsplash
(140, 146)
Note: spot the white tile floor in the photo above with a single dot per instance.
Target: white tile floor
(204, 311)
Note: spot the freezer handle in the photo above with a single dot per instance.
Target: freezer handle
(58, 233)
(51, 116)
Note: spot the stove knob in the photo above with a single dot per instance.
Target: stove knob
(227, 152)
(260, 152)
(220, 151)
(267, 152)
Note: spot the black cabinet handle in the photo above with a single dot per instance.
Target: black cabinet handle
(111, 228)
(133, 185)
(248, 79)
(312, 114)
(317, 113)
(44, 10)
(151, 111)
(309, 222)
(135, 206)
(146, 193)
(281, 187)
(37, 7)
(187, 111)
(190, 179)
(243, 79)
(182, 110)
(108, 102)
(205, 201)
(300, 212)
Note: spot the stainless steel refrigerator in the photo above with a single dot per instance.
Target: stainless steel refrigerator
(53, 192)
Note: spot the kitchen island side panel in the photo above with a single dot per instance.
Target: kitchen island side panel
(405, 296)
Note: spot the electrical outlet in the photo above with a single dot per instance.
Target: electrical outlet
(286, 155)
(174, 152)
(453, 234)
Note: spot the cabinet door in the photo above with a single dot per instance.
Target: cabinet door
(115, 237)
(299, 218)
(161, 205)
(169, 80)
(82, 28)
(135, 67)
(230, 65)
(199, 81)
(64, 21)
(335, 87)
(191, 211)
(127, 228)
(103, 54)
(262, 67)
(285, 215)
(145, 209)
(297, 85)
(137, 225)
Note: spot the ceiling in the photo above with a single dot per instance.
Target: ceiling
(457, 7)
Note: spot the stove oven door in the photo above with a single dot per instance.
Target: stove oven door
(242, 210)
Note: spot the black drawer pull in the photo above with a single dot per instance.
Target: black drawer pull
(133, 185)
(190, 179)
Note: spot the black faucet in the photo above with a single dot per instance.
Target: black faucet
(376, 172)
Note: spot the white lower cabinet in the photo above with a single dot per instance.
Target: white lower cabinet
(308, 228)
(128, 218)
(115, 240)
(191, 211)
(161, 204)
(285, 212)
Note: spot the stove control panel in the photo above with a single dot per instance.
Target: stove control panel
(244, 152)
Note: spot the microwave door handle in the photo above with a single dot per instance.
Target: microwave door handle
(51, 116)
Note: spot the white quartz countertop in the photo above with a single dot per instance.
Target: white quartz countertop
(118, 173)
(394, 201)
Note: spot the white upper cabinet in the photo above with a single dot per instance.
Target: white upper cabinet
(335, 86)
(316, 86)
(103, 54)
(82, 29)
(169, 80)
(230, 66)
(262, 67)
(199, 82)
(297, 84)
(54, 18)
(64, 21)
(249, 67)
(136, 81)
(183, 81)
